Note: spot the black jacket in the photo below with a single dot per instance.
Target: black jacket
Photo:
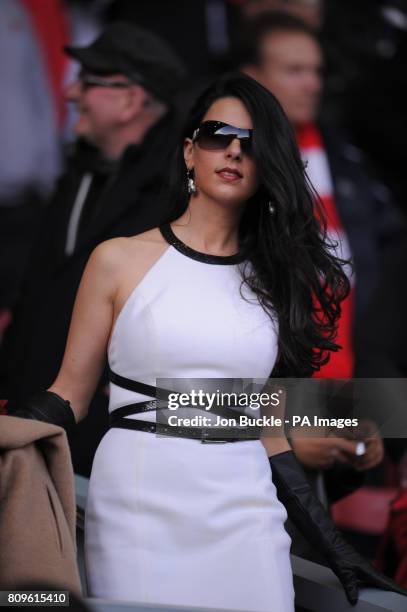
(124, 200)
(373, 223)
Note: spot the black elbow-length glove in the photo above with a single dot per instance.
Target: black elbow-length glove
(312, 520)
(44, 406)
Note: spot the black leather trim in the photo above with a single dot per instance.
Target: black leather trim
(134, 385)
(138, 407)
(129, 409)
(172, 239)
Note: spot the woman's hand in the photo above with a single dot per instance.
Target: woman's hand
(309, 516)
(374, 454)
(321, 453)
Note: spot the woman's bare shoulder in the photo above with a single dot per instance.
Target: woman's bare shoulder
(125, 261)
(145, 248)
(153, 236)
(116, 252)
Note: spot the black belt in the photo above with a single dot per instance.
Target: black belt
(134, 385)
(204, 434)
(117, 418)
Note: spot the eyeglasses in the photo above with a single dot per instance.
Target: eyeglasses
(217, 136)
(89, 80)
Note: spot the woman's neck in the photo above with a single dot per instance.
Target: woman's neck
(209, 227)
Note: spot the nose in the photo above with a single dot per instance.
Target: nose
(234, 149)
(73, 91)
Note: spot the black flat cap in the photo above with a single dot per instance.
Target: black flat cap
(135, 52)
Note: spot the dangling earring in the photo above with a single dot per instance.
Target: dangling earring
(272, 208)
(191, 183)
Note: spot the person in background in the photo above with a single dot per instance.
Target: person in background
(283, 53)
(125, 129)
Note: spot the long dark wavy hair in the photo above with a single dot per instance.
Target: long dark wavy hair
(293, 270)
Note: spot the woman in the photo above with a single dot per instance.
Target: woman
(240, 284)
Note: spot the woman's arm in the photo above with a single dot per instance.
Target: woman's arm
(114, 269)
(90, 328)
(310, 517)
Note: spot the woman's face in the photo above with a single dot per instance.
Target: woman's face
(227, 175)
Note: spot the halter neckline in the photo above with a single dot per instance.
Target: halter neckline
(171, 238)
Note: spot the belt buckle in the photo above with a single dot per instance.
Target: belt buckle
(206, 439)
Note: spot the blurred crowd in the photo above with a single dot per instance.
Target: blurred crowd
(93, 94)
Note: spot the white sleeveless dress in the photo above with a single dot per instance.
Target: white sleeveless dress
(173, 520)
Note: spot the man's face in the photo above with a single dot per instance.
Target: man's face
(290, 66)
(101, 108)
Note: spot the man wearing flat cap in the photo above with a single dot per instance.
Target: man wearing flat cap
(126, 130)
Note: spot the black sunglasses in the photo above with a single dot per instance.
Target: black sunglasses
(91, 80)
(217, 136)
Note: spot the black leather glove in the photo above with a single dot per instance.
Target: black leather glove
(44, 406)
(312, 520)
